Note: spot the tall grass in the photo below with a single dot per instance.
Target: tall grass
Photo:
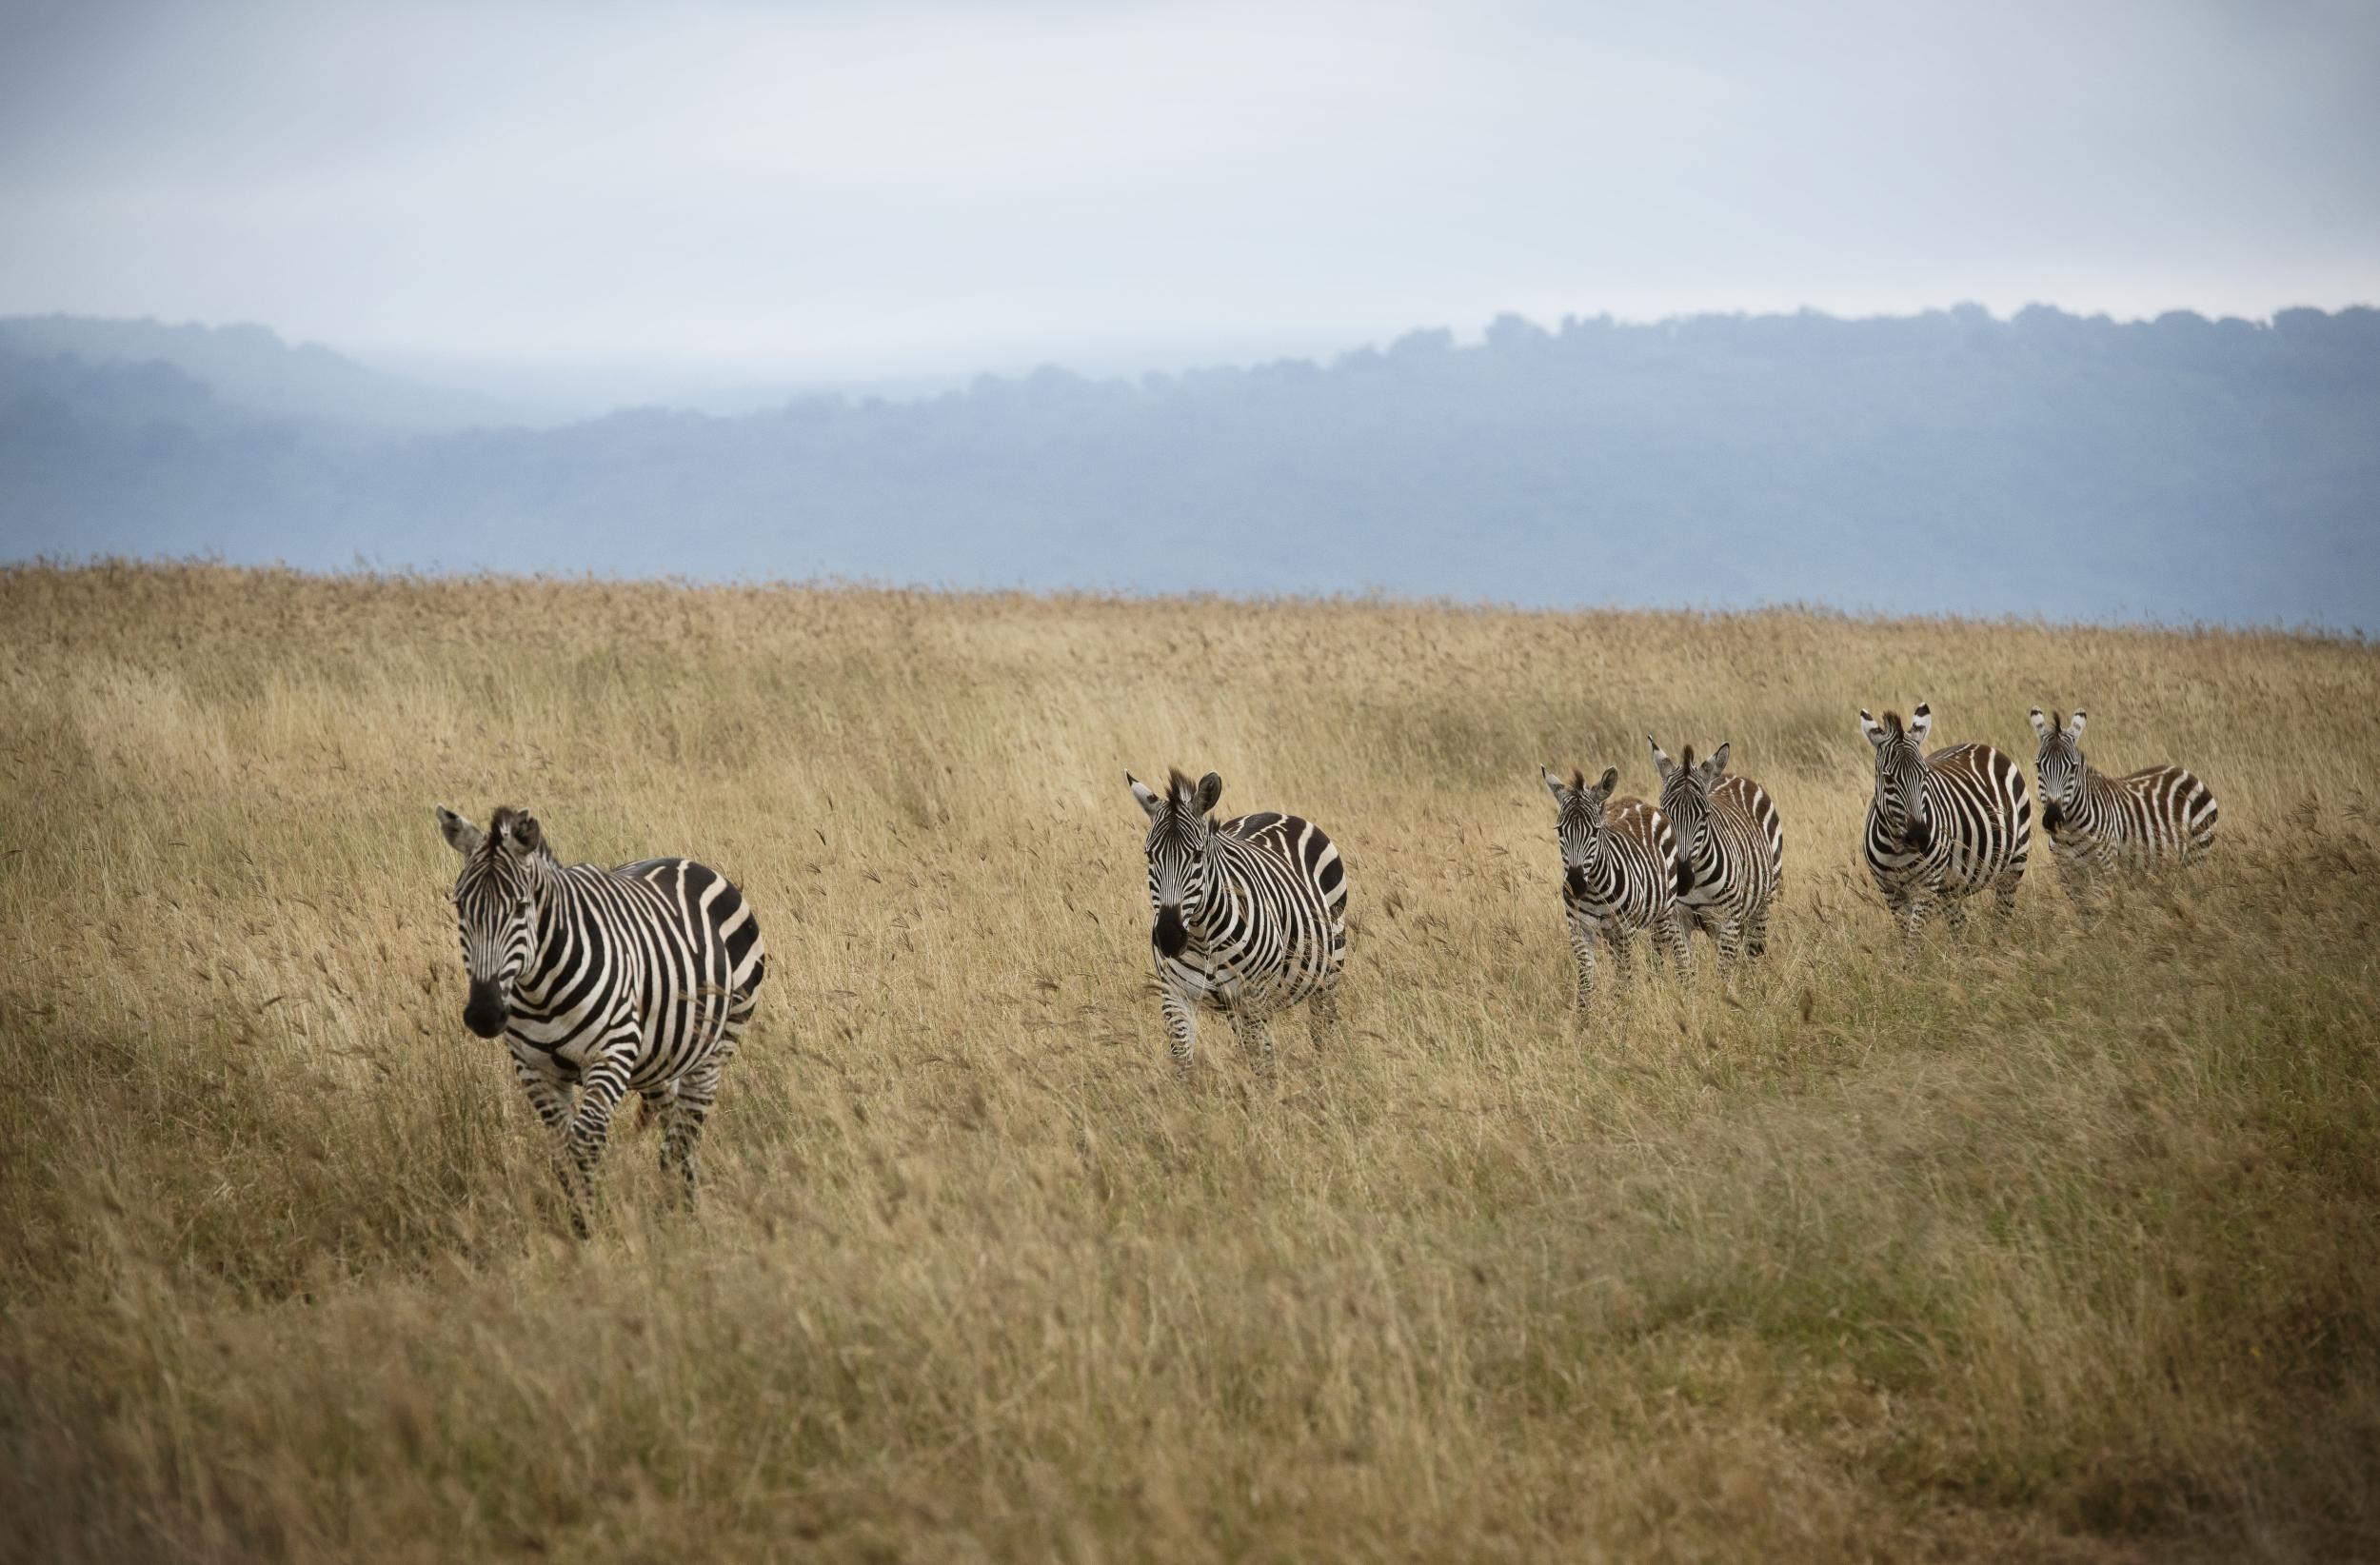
(2053, 1240)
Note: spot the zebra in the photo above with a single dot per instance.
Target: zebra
(1250, 916)
(1619, 873)
(602, 983)
(2098, 823)
(1944, 826)
(1730, 848)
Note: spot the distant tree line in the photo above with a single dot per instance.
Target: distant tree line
(2048, 463)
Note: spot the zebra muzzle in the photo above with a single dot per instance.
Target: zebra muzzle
(485, 1012)
(1171, 933)
(1575, 878)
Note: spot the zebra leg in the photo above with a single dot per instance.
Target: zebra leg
(606, 1082)
(1955, 912)
(1582, 948)
(689, 1110)
(2004, 890)
(1756, 933)
(1912, 911)
(1672, 933)
(1623, 951)
(1322, 1018)
(1731, 938)
(549, 1098)
(1254, 1034)
(1181, 1033)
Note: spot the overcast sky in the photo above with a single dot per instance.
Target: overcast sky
(907, 188)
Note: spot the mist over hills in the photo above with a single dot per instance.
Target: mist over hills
(249, 370)
(2048, 463)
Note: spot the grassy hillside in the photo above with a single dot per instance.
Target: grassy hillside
(2060, 1240)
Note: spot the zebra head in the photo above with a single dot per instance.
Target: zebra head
(1581, 822)
(1901, 774)
(1181, 848)
(2059, 761)
(495, 907)
(1686, 793)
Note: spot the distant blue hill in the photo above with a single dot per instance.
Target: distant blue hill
(249, 371)
(2048, 464)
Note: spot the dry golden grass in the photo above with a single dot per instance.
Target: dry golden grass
(2047, 1241)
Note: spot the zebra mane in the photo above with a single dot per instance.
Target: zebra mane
(1179, 790)
(1893, 723)
(512, 823)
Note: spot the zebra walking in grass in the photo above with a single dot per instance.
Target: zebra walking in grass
(1730, 848)
(1619, 873)
(1250, 916)
(602, 983)
(1942, 826)
(2098, 822)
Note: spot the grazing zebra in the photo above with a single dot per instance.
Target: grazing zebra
(605, 981)
(1250, 914)
(2098, 822)
(1731, 849)
(1944, 826)
(1619, 873)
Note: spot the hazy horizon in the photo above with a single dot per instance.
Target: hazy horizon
(573, 387)
(843, 194)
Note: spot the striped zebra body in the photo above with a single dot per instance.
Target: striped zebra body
(2097, 823)
(1249, 917)
(1730, 848)
(605, 982)
(1944, 827)
(1619, 874)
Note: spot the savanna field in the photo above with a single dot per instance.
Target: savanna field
(2056, 1240)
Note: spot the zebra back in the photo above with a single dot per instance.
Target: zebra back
(699, 898)
(1639, 884)
(1738, 858)
(2158, 812)
(1282, 936)
(1980, 813)
(674, 936)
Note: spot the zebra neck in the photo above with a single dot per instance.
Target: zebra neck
(1229, 873)
(2096, 804)
(1214, 915)
(557, 900)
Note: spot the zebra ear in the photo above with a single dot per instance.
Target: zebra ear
(1718, 763)
(1609, 781)
(460, 834)
(1151, 800)
(2040, 724)
(1921, 723)
(2073, 724)
(1872, 728)
(1553, 786)
(1662, 764)
(1210, 789)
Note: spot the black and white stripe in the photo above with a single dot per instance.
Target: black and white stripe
(2097, 822)
(602, 983)
(1619, 873)
(1944, 827)
(1250, 916)
(1730, 848)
